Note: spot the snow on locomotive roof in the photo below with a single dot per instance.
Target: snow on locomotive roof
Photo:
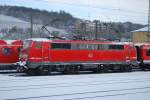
(39, 39)
(121, 43)
(140, 44)
(9, 42)
(76, 41)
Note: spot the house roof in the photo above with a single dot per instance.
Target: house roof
(145, 29)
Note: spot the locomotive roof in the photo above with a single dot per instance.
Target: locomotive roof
(140, 44)
(39, 39)
(76, 41)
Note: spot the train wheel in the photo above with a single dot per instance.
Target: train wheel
(71, 70)
(75, 70)
(142, 66)
(31, 71)
(20, 69)
(97, 69)
(128, 68)
(43, 70)
(104, 69)
(122, 68)
(66, 70)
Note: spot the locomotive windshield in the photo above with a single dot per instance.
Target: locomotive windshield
(26, 44)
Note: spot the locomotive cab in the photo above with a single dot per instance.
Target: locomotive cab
(33, 54)
(9, 53)
(145, 57)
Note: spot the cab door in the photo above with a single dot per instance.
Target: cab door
(45, 51)
(146, 54)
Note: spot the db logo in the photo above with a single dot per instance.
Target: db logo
(90, 55)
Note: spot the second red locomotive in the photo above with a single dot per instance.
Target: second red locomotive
(9, 53)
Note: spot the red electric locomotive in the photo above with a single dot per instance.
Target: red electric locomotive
(9, 53)
(42, 56)
(143, 53)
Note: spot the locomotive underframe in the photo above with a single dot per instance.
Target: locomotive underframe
(8, 66)
(74, 67)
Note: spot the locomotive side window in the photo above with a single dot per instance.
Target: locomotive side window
(74, 46)
(103, 47)
(82, 46)
(87, 46)
(116, 47)
(148, 52)
(92, 47)
(61, 46)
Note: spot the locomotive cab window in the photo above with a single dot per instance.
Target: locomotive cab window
(103, 47)
(148, 52)
(26, 44)
(87, 46)
(61, 46)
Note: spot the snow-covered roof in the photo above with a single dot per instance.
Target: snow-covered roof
(122, 43)
(145, 29)
(9, 42)
(140, 44)
(39, 39)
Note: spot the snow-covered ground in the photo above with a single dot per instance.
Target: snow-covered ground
(112, 86)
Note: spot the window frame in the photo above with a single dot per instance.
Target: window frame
(148, 52)
(60, 46)
(38, 45)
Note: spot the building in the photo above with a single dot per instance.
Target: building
(141, 35)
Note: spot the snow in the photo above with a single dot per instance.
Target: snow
(9, 42)
(39, 39)
(4, 18)
(122, 43)
(145, 29)
(111, 86)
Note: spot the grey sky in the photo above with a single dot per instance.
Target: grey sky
(105, 10)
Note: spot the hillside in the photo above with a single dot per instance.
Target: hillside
(39, 16)
(14, 28)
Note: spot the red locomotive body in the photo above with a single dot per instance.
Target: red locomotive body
(9, 53)
(145, 56)
(41, 55)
